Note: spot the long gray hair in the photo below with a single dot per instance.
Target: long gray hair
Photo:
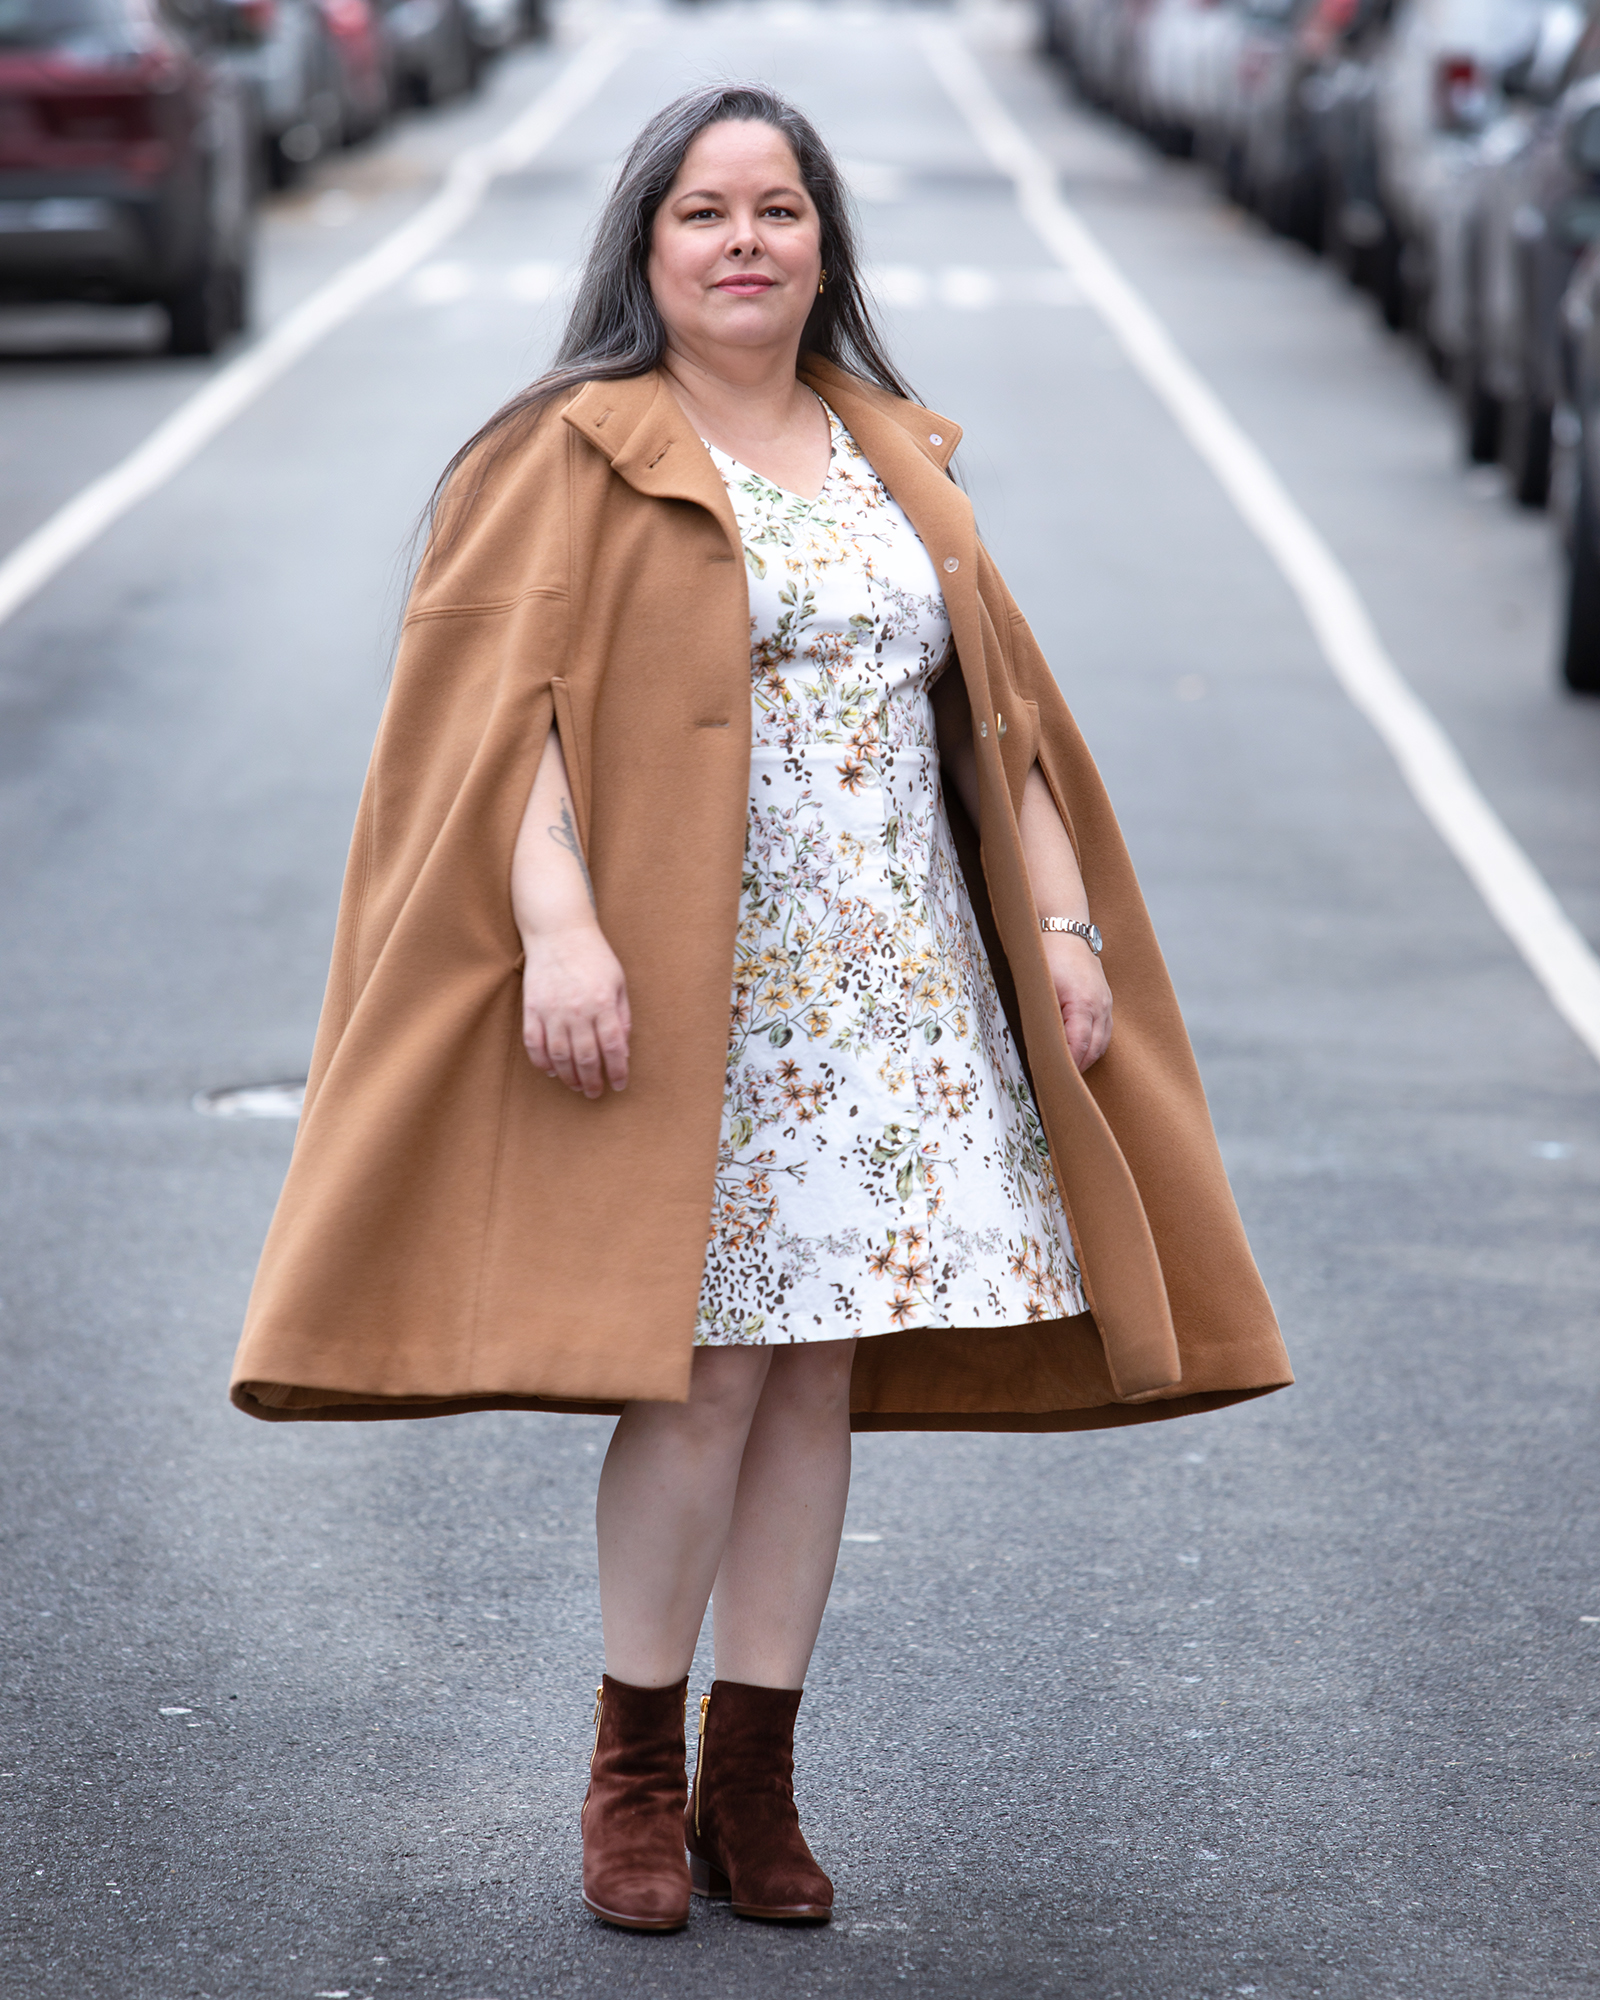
(614, 330)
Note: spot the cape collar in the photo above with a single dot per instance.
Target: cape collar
(640, 427)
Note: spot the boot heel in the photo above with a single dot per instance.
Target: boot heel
(705, 1880)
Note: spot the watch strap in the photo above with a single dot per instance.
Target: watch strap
(1073, 927)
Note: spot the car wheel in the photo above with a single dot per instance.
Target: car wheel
(1388, 283)
(236, 288)
(1337, 247)
(1480, 413)
(201, 309)
(1526, 450)
(1580, 653)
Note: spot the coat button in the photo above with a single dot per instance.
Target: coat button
(934, 438)
(952, 564)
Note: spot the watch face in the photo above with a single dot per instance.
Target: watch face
(1094, 939)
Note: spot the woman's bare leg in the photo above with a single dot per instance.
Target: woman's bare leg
(666, 1499)
(783, 1541)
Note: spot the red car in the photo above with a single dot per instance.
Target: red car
(357, 36)
(125, 160)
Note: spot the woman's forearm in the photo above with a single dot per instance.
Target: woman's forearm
(1053, 870)
(1052, 865)
(575, 1020)
(550, 887)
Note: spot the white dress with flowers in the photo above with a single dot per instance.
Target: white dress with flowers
(882, 1165)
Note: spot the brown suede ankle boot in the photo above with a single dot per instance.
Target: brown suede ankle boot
(633, 1866)
(741, 1829)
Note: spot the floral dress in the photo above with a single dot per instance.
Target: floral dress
(882, 1165)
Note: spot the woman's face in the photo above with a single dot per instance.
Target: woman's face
(735, 254)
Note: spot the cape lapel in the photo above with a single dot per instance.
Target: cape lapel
(640, 427)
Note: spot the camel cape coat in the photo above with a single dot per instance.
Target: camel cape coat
(457, 1230)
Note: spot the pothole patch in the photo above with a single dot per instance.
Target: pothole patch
(254, 1100)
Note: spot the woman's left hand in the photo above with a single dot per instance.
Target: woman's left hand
(1082, 995)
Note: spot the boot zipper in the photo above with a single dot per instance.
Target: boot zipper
(700, 1758)
(593, 1748)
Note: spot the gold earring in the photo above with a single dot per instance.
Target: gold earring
(820, 283)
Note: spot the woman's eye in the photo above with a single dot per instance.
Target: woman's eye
(789, 212)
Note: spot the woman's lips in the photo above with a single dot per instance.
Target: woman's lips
(746, 286)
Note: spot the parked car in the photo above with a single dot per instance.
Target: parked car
(492, 27)
(1236, 60)
(291, 68)
(125, 160)
(1227, 74)
(1283, 163)
(1460, 226)
(1539, 209)
(355, 32)
(1079, 33)
(1176, 38)
(431, 53)
(1437, 88)
(1576, 485)
(1358, 234)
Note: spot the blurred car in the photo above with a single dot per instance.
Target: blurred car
(1081, 35)
(125, 161)
(1283, 161)
(1459, 228)
(1576, 485)
(290, 65)
(1473, 210)
(1176, 37)
(356, 35)
(1238, 57)
(492, 27)
(1358, 236)
(1538, 209)
(1436, 90)
(431, 52)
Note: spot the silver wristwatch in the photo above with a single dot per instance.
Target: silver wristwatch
(1087, 932)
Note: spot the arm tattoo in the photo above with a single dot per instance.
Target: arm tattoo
(566, 835)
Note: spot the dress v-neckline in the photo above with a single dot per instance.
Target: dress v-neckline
(788, 492)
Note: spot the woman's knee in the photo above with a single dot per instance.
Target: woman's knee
(725, 1385)
(724, 1388)
(812, 1378)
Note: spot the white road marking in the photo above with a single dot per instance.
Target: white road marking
(254, 1100)
(1517, 895)
(235, 386)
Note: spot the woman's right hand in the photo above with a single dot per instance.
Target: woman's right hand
(575, 1020)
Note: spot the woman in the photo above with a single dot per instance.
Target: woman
(707, 684)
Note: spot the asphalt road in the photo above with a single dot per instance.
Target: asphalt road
(1294, 1699)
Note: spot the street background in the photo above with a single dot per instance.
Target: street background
(1298, 1698)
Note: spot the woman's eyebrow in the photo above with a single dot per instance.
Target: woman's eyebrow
(717, 194)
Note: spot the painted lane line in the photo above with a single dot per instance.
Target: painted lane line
(234, 387)
(1517, 895)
